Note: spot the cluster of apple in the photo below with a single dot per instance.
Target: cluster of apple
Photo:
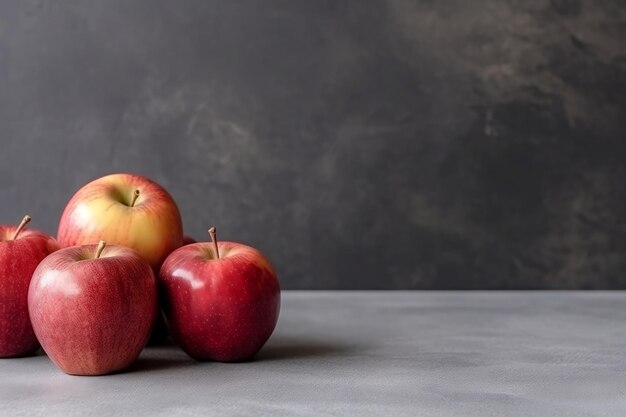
(92, 297)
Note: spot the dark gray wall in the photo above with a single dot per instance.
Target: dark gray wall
(361, 144)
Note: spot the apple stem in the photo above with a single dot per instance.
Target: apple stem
(135, 197)
(19, 229)
(100, 248)
(213, 233)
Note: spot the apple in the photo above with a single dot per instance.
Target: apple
(221, 300)
(93, 307)
(160, 333)
(21, 250)
(187, 240)
(124, 209)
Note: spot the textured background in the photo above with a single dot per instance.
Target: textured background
(360, 144)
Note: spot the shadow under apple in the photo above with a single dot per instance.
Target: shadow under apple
(163, 357)
(170, 356)
(281, 348)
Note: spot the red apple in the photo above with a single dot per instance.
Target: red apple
(21, 250)
(124, 209)
(221, 301)
(187, 240)
(92, 308)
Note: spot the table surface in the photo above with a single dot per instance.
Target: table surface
(372, 354)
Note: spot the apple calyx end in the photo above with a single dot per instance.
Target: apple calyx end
(21, 226)
(213, 234)
(99, 249)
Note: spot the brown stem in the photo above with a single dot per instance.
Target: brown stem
(135, 197)
(99, 249)
(213, 233)
(19, 229)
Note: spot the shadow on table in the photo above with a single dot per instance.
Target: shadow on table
(281, 348)
(161, 357)
(169, 356)
(158, 364)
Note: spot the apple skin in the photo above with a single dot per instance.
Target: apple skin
(188, 240)
(18, 260)
(101, 210)
(220, 309)
(93, 316)
(160, 332)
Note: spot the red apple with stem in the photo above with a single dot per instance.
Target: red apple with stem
(21, 250)
(221, 300)
(93, 307)
(124, 209)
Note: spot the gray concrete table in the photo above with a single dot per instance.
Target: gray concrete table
(372, 354)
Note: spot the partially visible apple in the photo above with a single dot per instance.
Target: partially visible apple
(187, 240)
(124, 209)
(160, 333)
(21, 250)
(92, 308)
(221, 300)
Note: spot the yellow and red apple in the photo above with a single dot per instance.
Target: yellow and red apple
(124, 209)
